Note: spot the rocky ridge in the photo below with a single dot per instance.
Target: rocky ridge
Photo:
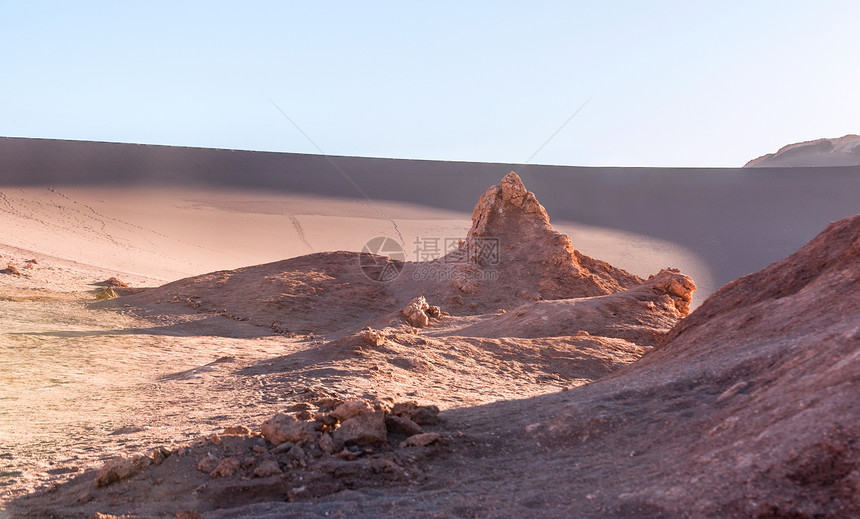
(843, 151)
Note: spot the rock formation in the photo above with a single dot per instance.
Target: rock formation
(531, 254)
(512, 254)
(641, 315)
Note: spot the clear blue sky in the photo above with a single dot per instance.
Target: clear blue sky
(667, 83)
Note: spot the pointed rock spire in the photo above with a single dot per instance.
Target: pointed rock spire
(512, 250)
(507, 209)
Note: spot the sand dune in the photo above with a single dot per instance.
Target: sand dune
(174, 212)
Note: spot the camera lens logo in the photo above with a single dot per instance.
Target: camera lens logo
(382, 259)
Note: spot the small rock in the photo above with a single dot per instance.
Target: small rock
(208, 463)
(422, 415)
(346, 454)
(114, 282)
(296, 453)
(327, 420)
(420, 440)
(120, 468)
(372, 337)
(351, 409)
(236, 430)
(268, 468)
(188, 514)
(402, 425)
(226, 468)
(283, 428)
(326, 444)
(159, 454)
(367, 429)
(284, 447)
(415, 312)
(12, 269)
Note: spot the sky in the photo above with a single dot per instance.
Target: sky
(657, 83)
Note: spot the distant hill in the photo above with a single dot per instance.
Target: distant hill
(844, 151)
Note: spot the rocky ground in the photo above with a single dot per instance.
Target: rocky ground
(558, 386)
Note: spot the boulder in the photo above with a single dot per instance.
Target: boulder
(114, 282)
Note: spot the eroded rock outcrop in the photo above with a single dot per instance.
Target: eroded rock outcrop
(641, 315)
(512, 254)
